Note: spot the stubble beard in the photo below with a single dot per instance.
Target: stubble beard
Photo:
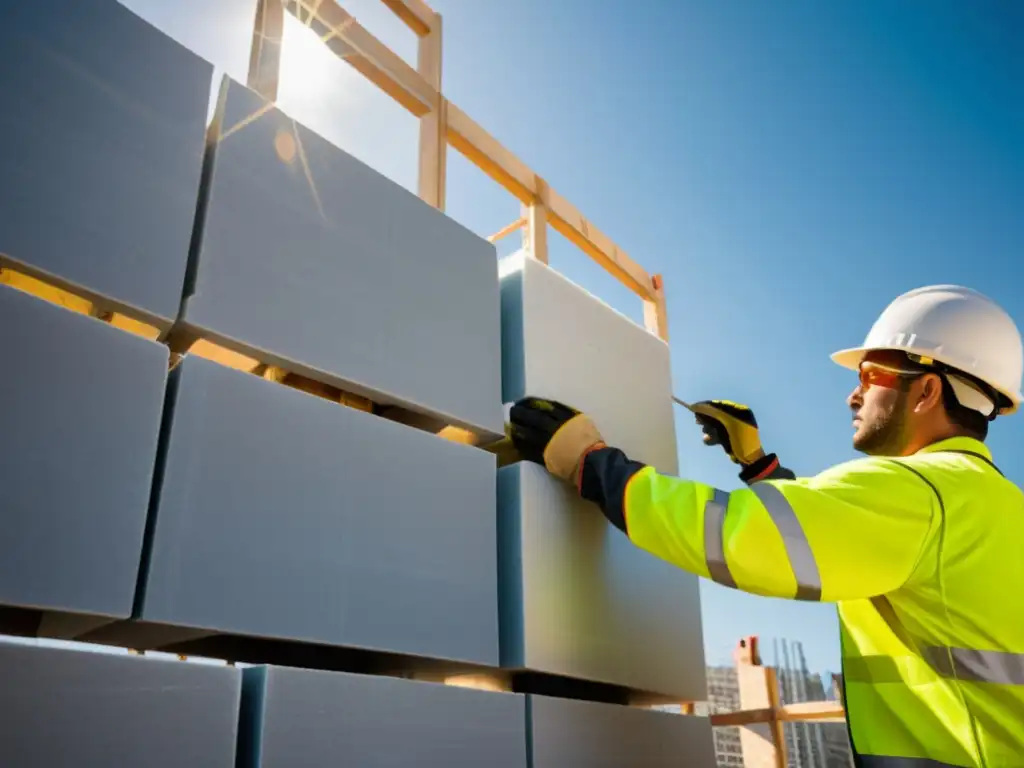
(886, 435)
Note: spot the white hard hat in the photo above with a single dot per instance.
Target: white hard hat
(959, 328)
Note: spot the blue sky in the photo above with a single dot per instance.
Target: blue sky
(788, 167)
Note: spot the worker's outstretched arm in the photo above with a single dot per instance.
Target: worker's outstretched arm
(855, 531)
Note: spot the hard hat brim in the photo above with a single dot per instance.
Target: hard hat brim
(850, 358)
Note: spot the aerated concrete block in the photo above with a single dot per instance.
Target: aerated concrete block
(284, 515)
(80, 410)
(565, 733)
(66, 708)
(577, 598)
(299, 718)
(102, 134)
(320, 264)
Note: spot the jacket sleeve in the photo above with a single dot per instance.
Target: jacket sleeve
(855, 531)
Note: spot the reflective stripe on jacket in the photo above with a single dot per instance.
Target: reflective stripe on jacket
(924, 556)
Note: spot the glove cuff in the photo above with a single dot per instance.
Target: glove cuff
(573, 440)
(759, 469)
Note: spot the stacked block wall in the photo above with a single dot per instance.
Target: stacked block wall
(203, 499)
(578, 599)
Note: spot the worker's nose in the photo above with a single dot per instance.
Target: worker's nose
(856, 398)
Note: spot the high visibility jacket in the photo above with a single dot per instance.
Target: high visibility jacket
(924, 556)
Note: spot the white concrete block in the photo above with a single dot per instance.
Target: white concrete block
(301, 718)
(577, 598)
(582, 734)
(66, 708)
(287, 516)
(80, 411)
(314, 259)
(560, 342)
(102, 133)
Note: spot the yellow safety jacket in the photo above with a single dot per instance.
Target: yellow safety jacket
(924, 556)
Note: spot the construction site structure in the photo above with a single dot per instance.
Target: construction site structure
(253, 423)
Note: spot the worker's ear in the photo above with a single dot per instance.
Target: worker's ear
(930, 394)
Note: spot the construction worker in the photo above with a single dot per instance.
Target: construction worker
(920, 543)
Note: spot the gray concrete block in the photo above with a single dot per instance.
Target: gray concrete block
(102, 134)
(581, 734)
(65, 708)
(577, 598)
(80, 410)
(284, 515)
(298, 718)
(318, 263)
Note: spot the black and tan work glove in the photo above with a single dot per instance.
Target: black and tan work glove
(553, 434)
(734, 427)
(731, 426)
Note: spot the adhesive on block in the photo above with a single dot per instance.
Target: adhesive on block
(300, 718)
(102, 134)
(80, 410)
(577, 597)
(315, 261)
(284, 515)
(566, 733)
(65, 708)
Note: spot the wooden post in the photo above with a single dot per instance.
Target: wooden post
(763, 743)
(433, 125)
(655, 309)
(265, 54)
(535, 231)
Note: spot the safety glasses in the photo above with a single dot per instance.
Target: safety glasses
(874, 374)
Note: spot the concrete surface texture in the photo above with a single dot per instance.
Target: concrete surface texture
(298, 718)
(311, 257)
(561, 342)
(102, 135)
(288, 516)
(64, 708)
(80, 418)
(577, 598)
(582, 734)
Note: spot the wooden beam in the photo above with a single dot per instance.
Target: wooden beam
(416, 14)
(567, 220)
(742, 717)
(813, 711)
(265, 54)
(487, 154)
(434, 125)
(340, 31)
(507, 230)
(809, 711)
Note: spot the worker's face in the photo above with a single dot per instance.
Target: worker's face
(881, 406)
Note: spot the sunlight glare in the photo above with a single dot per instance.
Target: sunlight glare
(306, 67)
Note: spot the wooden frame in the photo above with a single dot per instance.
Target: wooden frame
(442, 124)
(762, 716)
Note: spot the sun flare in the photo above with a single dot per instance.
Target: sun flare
(306, 65)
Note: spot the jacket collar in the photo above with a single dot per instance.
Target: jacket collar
(959, 444)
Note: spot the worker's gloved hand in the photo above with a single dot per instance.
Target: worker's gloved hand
(731, 426)
(553, 434)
